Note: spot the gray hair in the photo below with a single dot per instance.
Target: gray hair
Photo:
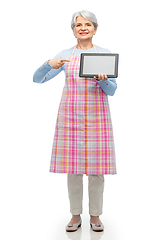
(86, 14)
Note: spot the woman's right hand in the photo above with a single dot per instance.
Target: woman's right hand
(57, 62)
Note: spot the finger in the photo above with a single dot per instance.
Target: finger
(105, 77)
(60, 64)
(101, 76)
(64, 60)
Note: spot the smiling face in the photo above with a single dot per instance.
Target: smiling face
(83, 29)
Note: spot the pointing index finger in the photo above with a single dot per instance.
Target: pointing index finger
(65, 60)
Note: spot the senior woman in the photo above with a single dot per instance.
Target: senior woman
(83, 141)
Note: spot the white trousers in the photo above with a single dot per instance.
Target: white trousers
(75, 193)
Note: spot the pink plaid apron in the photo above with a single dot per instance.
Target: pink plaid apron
(83, 141)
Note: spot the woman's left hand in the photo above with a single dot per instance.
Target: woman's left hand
(101, 76)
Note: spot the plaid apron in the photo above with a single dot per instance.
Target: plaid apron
(83, 141)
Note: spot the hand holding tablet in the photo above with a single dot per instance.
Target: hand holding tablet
(99, 65)
(101, 76)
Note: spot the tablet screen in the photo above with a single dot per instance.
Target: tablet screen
(93, 63)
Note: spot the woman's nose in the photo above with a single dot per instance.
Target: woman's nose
(83, 27)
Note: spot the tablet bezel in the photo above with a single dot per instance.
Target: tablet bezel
(81, 74)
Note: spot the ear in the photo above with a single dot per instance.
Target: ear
(95, 30)
(73, 31)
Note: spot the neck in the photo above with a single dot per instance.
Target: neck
(84, 45)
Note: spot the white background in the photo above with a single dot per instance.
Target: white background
(34, 203)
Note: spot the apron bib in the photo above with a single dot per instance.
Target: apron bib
(83, 141)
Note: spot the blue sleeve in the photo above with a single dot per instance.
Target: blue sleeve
(46, 72)
(109, 87)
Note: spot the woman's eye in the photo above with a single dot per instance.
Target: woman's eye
(78, 25)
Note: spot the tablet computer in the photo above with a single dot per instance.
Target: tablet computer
(93, 63)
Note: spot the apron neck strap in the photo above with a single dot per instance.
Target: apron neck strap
(95, 48)
(73, 51)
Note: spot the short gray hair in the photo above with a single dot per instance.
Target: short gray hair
(86, 14)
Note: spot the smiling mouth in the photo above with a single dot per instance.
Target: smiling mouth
(83, 33)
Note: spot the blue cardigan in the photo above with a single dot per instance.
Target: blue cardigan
(46, 72)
